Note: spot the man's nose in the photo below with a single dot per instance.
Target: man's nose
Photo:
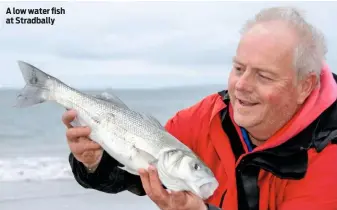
(246, 81)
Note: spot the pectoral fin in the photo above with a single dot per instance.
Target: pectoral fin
(139, 159)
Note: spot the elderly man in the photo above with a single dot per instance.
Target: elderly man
(270, 139)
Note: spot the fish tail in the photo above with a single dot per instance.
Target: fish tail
(36, 90)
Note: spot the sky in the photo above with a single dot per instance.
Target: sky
(139, 44)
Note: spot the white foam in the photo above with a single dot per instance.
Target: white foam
(34, 169)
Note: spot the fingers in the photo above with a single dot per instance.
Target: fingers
(68, 117)
(74, 133)
(83, 148)
(144, 177)
(153, 187)
(89, 144)
(156, 184)
(92, 156)
(83, 145)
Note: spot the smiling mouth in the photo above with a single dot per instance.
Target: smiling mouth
(246, 103)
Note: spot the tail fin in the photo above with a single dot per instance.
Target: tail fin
(36, 90)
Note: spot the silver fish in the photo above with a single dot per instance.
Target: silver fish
(135, 139)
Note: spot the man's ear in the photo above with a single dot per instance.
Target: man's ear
(306, 86)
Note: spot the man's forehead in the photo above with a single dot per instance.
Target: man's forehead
(271, 32)
(266, 51)
(244, 62)
(259, 28)
(269, 26)
(269, 67)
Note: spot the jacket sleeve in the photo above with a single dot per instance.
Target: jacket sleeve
(318, 189)
(107, 177)
(111, 179)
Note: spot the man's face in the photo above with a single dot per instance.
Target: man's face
(262, 84)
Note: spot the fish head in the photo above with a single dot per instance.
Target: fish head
(188, 172)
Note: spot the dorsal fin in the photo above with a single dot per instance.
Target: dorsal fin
(154, 121)
(110, 97)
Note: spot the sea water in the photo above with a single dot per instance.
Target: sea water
(34, 168)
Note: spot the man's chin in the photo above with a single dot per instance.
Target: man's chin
(244, 121)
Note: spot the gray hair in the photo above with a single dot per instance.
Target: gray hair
(309, 53)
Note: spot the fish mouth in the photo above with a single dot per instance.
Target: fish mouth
(206, 189)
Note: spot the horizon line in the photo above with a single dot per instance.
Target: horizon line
(132, 88)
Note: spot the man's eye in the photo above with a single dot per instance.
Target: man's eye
(264, 77)
(237, 68)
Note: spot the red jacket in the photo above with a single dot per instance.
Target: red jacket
(295, 169)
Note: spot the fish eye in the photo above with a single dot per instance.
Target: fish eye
(196, 166)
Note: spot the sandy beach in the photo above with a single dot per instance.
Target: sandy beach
(65, 195)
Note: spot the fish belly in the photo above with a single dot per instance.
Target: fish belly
(120, 144)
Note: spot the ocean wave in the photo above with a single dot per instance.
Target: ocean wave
(34, 169)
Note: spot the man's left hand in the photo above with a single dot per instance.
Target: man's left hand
(168, 201)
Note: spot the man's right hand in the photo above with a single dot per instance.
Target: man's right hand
(82, 147)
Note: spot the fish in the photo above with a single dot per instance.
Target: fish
(135, 139)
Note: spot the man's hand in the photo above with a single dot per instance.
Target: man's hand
(165, 200)
(82, 147)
